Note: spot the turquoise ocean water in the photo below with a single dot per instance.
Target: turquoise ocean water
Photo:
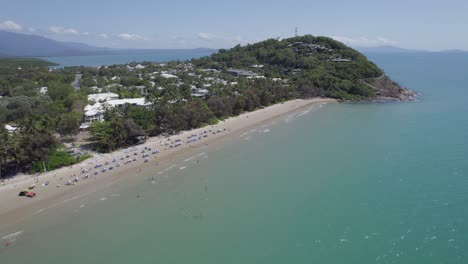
(345, 183)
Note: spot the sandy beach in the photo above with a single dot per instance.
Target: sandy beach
(72, 182)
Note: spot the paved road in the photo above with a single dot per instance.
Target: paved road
(76, 82)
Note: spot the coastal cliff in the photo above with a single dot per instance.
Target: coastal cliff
(386, 89)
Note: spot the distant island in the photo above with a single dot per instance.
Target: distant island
(42, 110)
(398, 50)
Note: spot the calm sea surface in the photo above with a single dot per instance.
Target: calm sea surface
(345, 183)
(100, 60)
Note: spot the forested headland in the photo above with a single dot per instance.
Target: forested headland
(43, 109)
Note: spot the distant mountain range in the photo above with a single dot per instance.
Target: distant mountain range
(23, 45)
(394, 50)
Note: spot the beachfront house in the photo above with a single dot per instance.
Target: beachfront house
(95, 112)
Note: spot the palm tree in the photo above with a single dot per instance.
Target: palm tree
(29, 125)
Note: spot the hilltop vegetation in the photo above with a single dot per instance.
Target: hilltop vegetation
(315, 66)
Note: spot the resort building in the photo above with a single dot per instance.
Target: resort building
(102, 97)
(198, 92)
(240, 72)
(95, 112)
(168, 75)
(340, 60)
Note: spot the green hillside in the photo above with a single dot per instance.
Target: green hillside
(315, 66)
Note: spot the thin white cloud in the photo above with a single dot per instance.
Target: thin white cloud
(127, 36)
(11, 26)
(206, 36)
(220, 41)
(104, 35)
(365, 41)
(62, 30)
(31, 29)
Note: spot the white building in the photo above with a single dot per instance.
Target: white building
(44, 90)
(167, 75)
(256, 77)
(10, 129)
(102, 97)
(95, 112)
(198, 92)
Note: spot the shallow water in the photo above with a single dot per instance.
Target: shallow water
(342, 183)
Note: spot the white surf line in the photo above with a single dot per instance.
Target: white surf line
(193, 157)
(243, 134)
(62, 202)
(189, 159)
(12, 235)
(182, 168)
(269, 124)
(172, 166)
(291, 117)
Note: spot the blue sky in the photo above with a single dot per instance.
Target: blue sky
(432, 25)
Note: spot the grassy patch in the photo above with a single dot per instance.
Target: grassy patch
(58, 159)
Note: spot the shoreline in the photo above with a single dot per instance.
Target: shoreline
(15, 209)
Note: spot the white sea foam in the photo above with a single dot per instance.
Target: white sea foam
(13, 235)
(189, 159)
